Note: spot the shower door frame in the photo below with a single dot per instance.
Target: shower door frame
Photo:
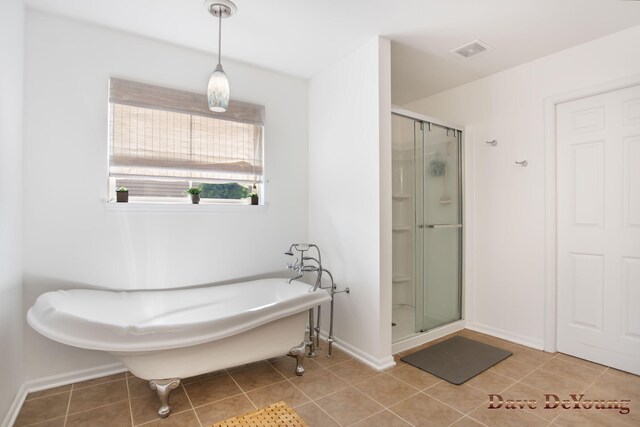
(424, 337)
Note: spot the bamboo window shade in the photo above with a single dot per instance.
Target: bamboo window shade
(169, 134)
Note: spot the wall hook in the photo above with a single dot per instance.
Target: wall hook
(523, 163)
(492, 143)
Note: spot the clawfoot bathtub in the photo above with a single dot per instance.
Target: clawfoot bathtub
(165, 335)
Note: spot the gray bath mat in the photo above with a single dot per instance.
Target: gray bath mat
(457, 359)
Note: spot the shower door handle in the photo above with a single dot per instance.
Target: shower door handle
(443, 226)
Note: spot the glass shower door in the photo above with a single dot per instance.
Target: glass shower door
(438, 226)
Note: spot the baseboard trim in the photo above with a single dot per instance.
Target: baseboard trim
(506, 335)
(56, 381)
(14, 409)
(364, 357)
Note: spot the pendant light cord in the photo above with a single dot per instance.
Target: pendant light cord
(220, 33)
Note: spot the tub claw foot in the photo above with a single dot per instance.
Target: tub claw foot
(163, 388)
(299, 353)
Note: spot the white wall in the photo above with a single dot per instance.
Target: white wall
(11, 92)
(510, 201)
(350, 193)
(71, 240)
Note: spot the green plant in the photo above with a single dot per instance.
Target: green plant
(122, 189)
(194, 190)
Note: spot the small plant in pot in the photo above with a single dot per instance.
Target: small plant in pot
(195, 194)
(122, 195)
(254, 198)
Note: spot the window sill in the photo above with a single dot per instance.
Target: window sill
(160, 207)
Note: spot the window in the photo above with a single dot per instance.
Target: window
(163, 141)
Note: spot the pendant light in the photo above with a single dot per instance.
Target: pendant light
(218, 89)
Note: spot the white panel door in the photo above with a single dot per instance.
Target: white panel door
(598, 202)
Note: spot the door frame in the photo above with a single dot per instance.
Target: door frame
(551, 206)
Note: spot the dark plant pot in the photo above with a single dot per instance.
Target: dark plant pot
(254, 200)
(122, 196)
(195, 199)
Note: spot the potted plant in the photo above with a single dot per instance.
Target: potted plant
(195, 194)
(122, 195)
(254, 198)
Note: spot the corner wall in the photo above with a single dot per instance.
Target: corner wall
(350, 194)
(72, 240)
(11, 95)
(508, 285)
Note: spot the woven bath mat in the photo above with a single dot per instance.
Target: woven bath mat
(279, 414)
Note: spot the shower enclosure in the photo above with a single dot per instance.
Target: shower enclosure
(427, 224)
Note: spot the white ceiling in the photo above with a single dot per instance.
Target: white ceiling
(302, 37)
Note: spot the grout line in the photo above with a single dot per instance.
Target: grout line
(126, 379)
(461, 418)
(66, 414)
(102, 383)
(242, 390)
(313, 401)
(160, 419)
(191, 403)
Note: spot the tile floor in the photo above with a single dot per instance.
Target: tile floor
(340, 391)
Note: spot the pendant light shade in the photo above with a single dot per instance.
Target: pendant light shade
(218, 88)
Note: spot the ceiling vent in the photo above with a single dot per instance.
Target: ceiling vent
(470, 49)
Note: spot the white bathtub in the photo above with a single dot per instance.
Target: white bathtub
(173, 334)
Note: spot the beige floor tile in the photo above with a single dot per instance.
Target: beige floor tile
(115, 415)
(466, 422)
(552, 383)
(423, 410)
(287, 366)
(619, 383)
(349, 406)
(319, 383)
(247, 366)
(528, 355)
(183, 419)
(207, 391)
(461, 397)
(337, 357)
(100, 380)
(224, 409)
(196, 378)
(512, 368)
(414, 376)
(386, 389)
(352, 371)
(383, 419)
(572, 370)
(56, 422)
(507, 418)
(145, 408)
(257, 377)
(138, 387)
(490, 382)
(632, 417)
(49, 392)
(98, 395)
(284, 391)
(581, 362)
(524, 392)
(314, 416)
(589, 418)
(43, 409)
